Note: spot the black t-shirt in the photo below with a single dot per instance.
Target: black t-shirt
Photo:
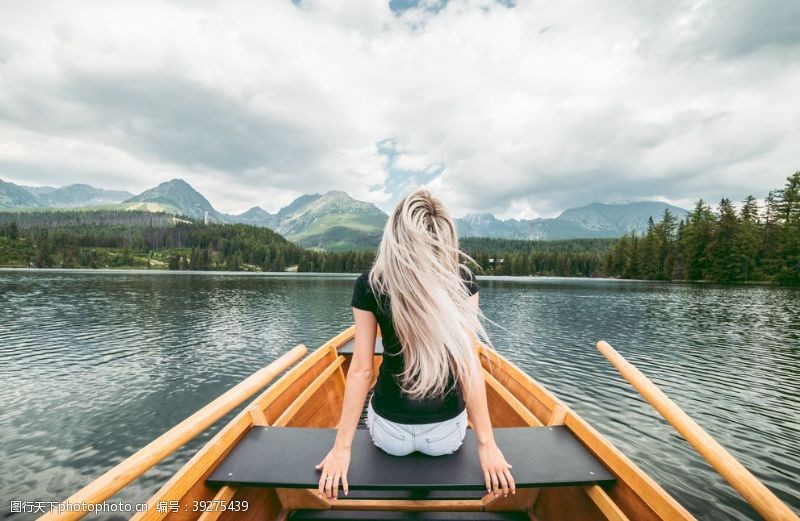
(388, 400)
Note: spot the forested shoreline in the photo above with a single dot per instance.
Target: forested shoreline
(756, 242)
(97, 239)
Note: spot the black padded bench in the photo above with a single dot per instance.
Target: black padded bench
(285, 457)
(347, 347)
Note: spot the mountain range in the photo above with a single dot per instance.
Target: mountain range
(595, 220)
(72, 196)
(334, 220)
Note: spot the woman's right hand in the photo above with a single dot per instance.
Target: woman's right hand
(495, 470)
(334, 467)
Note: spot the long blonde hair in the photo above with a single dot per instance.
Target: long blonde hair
(417, 266)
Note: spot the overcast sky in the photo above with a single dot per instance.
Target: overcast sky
(521, 109)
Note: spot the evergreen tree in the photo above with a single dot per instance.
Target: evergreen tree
(770, 235)
(696, 238)
(725, 264)
(41, 242)
(748, 244)
(233, 262)
(617, 257)
(678, 271)
(647, 256)
(788, 246)
(666, 255)
(631, 270)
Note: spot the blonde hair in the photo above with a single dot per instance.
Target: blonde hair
(417, 266)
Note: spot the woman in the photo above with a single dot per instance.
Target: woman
(426, 303)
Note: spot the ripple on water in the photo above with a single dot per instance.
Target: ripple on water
(100, 364)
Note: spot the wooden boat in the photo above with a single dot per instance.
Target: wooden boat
(307, 397)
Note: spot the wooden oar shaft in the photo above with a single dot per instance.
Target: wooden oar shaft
(756, 493)
(125, 472)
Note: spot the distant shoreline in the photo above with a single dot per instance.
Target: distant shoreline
(308, 274)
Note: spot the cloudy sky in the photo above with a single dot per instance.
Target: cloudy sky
(518, 108)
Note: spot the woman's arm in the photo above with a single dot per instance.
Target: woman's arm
(359, 378)
(493, 463)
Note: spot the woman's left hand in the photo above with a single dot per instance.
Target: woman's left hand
(495, 470)
(334, 467)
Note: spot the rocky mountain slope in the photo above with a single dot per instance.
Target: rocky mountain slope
(175, 196)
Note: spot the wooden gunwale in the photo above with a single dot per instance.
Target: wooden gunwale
(308, 392)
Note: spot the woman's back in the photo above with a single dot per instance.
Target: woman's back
(388, 400)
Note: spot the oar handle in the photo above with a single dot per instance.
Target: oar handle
(756, 493)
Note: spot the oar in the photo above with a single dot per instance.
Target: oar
(756, 493)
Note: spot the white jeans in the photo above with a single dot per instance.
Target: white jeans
(401, 439)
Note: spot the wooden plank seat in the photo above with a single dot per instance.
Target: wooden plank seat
(285, 457)
(354, 515)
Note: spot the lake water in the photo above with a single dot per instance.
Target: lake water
(94, 365)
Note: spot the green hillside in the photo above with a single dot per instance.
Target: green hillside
(16, 197)
(333, 221)
(341, 232)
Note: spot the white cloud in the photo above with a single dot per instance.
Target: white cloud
(525, 110)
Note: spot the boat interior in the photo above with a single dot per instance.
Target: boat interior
(563, 468)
